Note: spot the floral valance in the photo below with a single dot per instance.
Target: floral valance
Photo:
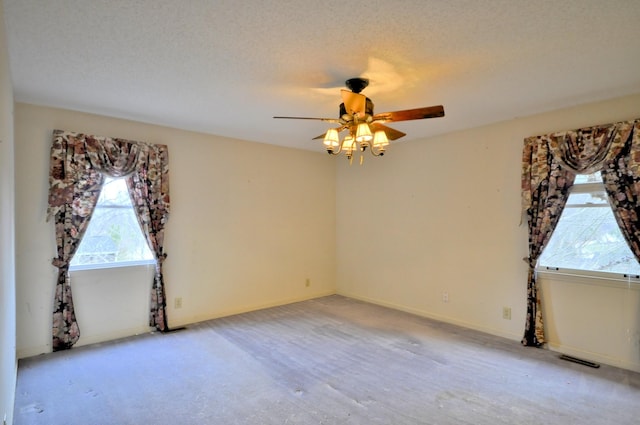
(72, 154)
(581, 151)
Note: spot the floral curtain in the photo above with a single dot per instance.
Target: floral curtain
(78, 163)
(547, 202)
(621, 179)
(549, 165)
(71, 221)
(149, 191)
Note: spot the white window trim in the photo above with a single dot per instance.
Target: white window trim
(621, 280)
(114, 265)
(587, 187)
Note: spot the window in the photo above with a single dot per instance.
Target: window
(113, 237)
(587, 236)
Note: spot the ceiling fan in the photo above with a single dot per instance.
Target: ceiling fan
(365, 129)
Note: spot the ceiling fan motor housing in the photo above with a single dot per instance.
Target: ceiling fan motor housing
(368, 110)
(356, 85)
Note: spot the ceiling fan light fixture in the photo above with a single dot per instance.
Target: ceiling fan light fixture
(363, 133)
(357, 117)
(348, 145)
(331, 139)
(380, 139)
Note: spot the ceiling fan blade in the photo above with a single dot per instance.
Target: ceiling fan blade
(339, 129)
(331, 120)
(411, 114)
(392, 133)
(354, 103)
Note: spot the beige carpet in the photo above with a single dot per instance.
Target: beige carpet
(332, 360)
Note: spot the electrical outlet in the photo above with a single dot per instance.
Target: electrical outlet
(177, 303)
(307, 283)
(506, 313)
(445, 297)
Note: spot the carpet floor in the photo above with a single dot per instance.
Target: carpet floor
(331, 360)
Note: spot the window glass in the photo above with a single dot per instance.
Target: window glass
(588, 178)
(586, 200)
(587, 236)
(113, 235)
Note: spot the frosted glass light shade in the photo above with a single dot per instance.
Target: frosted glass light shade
(363, 133)
(380, 139)
(348, 144)
(331, 139)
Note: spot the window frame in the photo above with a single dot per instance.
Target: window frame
(583, 188)
(114, 264)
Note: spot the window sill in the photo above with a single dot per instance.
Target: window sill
(616, 280)
(117, 265)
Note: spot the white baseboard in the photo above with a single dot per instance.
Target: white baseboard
(27, 352)
(24, 353)
(592, 357)
(123, 333)
(438, 317)
(110, 336)
(571, 351)
(246, 309)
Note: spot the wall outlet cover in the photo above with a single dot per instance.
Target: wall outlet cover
(506, 313)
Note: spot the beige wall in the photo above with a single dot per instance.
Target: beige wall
(249, 224)
(8, 364)
(593, 319)
(442, 215)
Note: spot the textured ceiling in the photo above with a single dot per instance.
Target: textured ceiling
(227, 67)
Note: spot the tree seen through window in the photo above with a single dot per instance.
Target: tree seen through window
(113, 235)
(587, 236)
